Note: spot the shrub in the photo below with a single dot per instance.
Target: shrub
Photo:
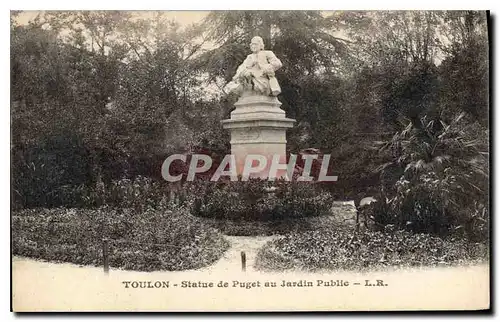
(148, 240)
(270, 228)
(424, 206)
(257, 199)
(442, 186)
(342, 250)
(139, 193)
(40, 167)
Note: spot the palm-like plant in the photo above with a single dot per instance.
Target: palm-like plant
(443, 184)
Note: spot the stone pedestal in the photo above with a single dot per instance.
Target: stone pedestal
(258, 126)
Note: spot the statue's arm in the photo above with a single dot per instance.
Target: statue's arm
(241, 71)
(274, 61)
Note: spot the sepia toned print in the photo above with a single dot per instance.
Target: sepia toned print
(250, 161)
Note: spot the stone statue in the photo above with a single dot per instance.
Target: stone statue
(256, 73)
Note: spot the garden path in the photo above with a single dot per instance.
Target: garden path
(231, 260)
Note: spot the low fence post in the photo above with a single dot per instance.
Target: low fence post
(243, 261)
(105, 254)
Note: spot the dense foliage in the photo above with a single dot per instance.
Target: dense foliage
(259, 200)
(138, 193)
(145, 241)
(442, 184)
(336, 249)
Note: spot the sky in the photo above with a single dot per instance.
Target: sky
(182, 17)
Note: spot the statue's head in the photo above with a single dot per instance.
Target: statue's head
(257, 44)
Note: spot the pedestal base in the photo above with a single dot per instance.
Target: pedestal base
(258, 127)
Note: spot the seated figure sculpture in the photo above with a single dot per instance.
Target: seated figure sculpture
(256, 73)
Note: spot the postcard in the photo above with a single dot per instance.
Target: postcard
(250, 161)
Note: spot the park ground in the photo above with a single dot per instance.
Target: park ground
(43, 286)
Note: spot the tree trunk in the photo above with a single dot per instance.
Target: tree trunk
(265, 32)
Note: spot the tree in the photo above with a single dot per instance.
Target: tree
(303, 40)
(94, 82)
(464, 72)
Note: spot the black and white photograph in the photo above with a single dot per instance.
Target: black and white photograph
(250, 161)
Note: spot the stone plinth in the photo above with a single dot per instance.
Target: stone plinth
(258, 126)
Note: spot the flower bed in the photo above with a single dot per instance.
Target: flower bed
(335, 249)
(144, 241)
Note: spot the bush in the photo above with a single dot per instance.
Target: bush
(442, 187)
(40, 168)
(424, 206)
(139, 193)
(270, 228)
(342, 250)
(145, 241)
(258, 200)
